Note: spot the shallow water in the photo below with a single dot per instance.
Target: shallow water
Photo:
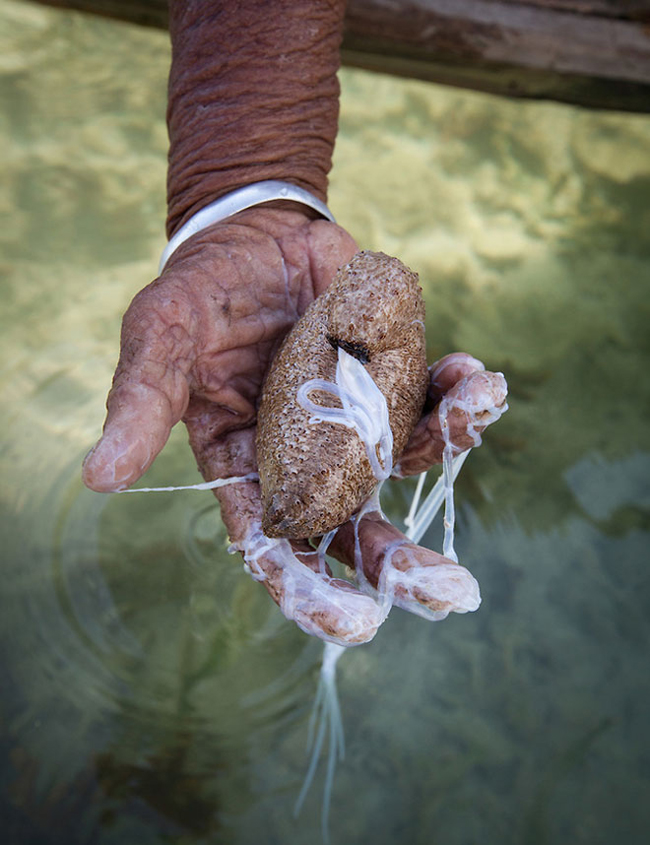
(151, 692)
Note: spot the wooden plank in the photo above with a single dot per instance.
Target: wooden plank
(152, 13)
(587, 52)
(517, 49)
(625, 9)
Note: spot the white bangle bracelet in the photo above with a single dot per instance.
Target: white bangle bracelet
(255, 194)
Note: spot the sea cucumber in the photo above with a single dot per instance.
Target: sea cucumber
(313, 477)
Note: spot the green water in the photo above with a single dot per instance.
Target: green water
(151, 692)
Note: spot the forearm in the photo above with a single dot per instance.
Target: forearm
(253, 95)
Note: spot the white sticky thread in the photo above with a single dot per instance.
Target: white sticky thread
(204, 485)
(471, 400)
(364, 409)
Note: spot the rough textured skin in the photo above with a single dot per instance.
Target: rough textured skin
(253, 95)
(313, 477)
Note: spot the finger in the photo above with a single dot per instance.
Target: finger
(409, 576)
(469, 407)
(424, 448)
(294, 575)
(448, 371)
(149, 395)
(330, 247)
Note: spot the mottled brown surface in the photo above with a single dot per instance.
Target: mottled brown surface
(314, 477)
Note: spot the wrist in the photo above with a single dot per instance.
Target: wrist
(253, 96)
(268, 193)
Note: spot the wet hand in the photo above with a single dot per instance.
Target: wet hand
(195, 346)
(472, 395)
(196, 342)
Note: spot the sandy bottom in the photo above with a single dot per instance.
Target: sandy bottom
(151, 691)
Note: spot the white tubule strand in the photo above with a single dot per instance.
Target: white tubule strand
(204, 485)
(364, 409)
(325, 713)
(415, 501)
(472, 402)
(426, 513)
(449, 520)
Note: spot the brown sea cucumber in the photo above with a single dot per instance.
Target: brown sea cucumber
(313, 477)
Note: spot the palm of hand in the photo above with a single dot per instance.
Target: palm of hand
(196, 343)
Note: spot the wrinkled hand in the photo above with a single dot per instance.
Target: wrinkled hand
(195, 346)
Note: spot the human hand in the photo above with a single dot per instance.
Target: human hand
(196, 344)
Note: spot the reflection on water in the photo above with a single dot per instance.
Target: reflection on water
(151, 691)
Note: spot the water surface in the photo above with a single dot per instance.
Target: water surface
(152, 693)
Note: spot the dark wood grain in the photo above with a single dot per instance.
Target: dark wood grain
(593, 53)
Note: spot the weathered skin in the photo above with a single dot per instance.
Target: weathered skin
(253, 95)
(314, 477)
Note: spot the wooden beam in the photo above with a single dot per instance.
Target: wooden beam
(540, 49)
(588, 52)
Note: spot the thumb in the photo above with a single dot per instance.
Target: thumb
(139, 421)
(149, 395)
